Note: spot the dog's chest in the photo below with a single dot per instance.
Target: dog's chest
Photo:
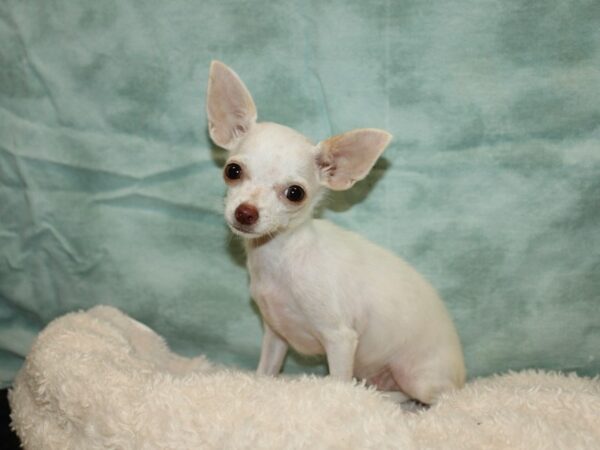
(281, 293)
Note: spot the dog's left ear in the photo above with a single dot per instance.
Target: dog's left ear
(347, 158)
(229, 106)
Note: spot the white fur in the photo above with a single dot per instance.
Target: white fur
(319, 288)
(100, 380)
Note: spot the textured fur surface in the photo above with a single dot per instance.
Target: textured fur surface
(99, 379)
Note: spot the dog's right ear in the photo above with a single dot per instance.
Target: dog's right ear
(229, 106)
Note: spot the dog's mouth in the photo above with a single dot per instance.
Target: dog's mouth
(248, 232)
(243, 231)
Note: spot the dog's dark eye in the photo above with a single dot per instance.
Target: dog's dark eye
(233, 171)
(294, 193)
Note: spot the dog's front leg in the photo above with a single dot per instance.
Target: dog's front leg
(341, 349)
(272, 352)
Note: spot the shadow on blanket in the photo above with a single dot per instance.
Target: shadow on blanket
(99, 379)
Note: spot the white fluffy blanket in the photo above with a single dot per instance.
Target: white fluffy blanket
(99, 379)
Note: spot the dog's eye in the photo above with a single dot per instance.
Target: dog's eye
(233, 171)
(294, 193)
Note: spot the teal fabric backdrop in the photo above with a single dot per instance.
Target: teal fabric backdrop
(110, 191)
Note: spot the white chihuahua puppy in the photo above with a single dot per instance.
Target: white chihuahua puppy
(320, 288)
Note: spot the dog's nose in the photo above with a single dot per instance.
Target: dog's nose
(246, 214)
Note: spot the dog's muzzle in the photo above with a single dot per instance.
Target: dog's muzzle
(246, 214)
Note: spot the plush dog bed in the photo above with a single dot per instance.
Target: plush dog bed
(99, 379)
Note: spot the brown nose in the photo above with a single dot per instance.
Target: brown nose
(246, 214)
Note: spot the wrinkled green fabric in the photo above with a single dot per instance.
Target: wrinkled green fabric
(110, 190)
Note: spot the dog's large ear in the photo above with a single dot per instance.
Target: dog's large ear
(347, 158)
(229, 106)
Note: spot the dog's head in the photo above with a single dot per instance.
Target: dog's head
(276, 175)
